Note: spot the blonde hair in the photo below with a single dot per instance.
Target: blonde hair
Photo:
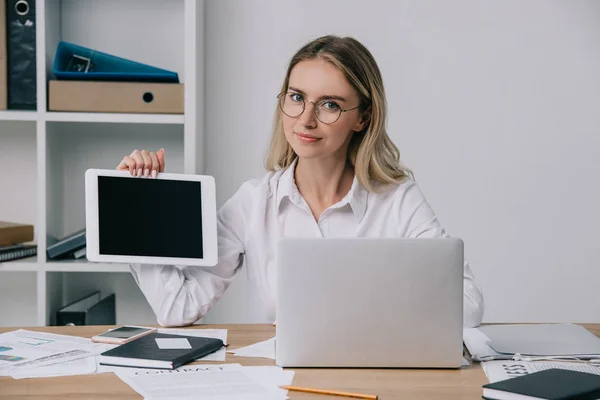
(375, 158)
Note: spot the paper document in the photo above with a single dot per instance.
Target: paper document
(218, 355)
(214, 382)
(265, 349)
(502, 370)
(82, 366)
(23, 349)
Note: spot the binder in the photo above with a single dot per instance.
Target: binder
(3, 71)
(88, 310)
(116, 97)
(74, 62)
(21, 47)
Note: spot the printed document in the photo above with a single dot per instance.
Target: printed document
(209, 382)
(23, 349)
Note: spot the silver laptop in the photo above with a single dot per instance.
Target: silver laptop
(367, 302)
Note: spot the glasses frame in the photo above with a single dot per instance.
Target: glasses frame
(314, 108)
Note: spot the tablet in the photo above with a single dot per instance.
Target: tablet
(170, 220)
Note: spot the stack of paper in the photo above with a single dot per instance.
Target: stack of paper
(26, 354)
(218, 382)
(34, 354)
(264, 349)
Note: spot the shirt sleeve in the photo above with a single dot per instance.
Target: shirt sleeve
(181, 295)
(421, 222)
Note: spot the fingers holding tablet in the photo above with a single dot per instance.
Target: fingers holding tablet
(143, 163)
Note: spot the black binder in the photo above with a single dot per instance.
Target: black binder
(89, 310)
(21, 45)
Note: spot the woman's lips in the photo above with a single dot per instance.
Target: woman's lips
(303, 137)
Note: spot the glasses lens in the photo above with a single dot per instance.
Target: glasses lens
(291, 104)
(328, 112)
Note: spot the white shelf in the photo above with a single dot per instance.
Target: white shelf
(28, 264)
(114, 118)
(51, 153)
(19, 115)
(82, 266)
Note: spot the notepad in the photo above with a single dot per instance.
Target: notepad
(159, 350)
(551, 384)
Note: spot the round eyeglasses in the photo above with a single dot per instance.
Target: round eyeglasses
(327, 111)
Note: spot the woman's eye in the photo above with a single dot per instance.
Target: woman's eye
(295, 97)
(330, 105)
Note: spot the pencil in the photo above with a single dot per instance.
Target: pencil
(331, 392)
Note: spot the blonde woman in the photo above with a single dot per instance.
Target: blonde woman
(333, 172)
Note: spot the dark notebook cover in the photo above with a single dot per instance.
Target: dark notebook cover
(550, 384)
(146, 349)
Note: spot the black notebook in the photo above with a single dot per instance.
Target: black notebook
(168, 352)
(15, 252)
(551, 384)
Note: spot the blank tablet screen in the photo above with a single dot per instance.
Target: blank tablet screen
(149, 217)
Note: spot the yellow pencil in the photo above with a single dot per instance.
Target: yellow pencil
(331, 392)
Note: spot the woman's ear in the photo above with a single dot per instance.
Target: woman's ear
(364, 120)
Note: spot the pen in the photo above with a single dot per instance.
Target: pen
(331, 392)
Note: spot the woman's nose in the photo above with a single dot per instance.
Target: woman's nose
(308, 117)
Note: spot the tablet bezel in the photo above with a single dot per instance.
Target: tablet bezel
(209, 221)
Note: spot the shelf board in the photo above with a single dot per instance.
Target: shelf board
(30, 264)
(19, 115)
(115, 118)
(82, 266)
(27, 264)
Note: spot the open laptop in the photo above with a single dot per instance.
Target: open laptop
(369, 302)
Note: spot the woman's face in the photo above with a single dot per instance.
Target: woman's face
(324, 87)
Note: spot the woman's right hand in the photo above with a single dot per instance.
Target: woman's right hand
(143, 163)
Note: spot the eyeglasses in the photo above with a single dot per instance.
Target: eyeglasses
(327, 111)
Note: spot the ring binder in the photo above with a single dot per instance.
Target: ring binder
(88, 310)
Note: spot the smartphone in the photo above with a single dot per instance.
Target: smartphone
(123, 334)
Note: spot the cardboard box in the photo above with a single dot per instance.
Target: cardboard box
(116, 97)
(3, 62)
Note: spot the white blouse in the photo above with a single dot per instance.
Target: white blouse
(263, 210)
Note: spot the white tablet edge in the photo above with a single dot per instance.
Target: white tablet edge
(209, 221)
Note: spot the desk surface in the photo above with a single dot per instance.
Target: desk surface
(388, 384)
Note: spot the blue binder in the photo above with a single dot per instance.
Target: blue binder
(73, 62)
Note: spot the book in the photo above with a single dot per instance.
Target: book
(550, 384)
(66, 246)
(156, 350)
(13, 233)
(22, 251)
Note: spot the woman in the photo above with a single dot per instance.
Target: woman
(333, 171)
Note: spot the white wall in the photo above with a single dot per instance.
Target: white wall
(494, 105)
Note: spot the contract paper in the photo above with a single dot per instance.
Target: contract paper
(218, 382)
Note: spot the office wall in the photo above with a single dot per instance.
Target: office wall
(494, 105)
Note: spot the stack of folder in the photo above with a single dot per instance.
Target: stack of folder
(87, 80)
(18, 88)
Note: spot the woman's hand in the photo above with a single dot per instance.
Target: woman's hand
(143, 163)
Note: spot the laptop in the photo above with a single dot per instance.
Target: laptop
(369, 302)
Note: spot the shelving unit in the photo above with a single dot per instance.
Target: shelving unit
(45, 154)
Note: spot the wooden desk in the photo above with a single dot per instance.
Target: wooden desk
(388, 384)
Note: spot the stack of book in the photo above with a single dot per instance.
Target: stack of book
(14, 241)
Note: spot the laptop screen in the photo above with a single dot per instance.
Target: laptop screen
(150, 217)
